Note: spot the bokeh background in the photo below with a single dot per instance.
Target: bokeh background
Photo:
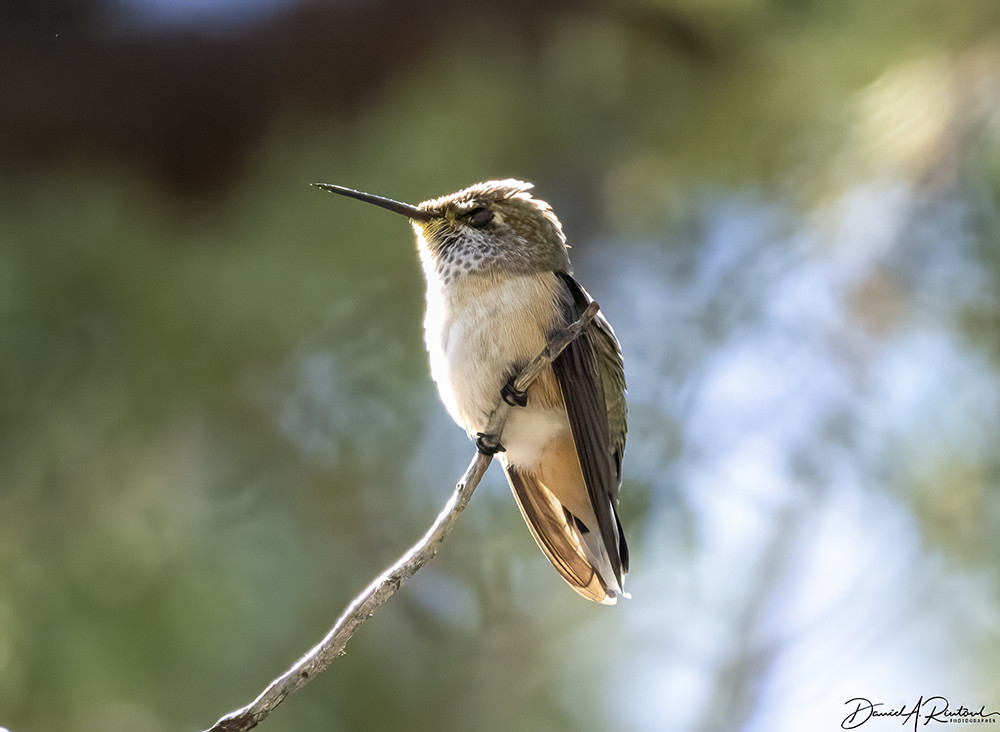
(216, 420)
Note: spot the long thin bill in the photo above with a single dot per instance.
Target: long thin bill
(411, 212)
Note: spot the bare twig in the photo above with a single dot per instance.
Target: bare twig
(380, 590)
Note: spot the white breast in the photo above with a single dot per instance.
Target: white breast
(479, 331)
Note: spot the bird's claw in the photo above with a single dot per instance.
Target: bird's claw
(512, 396)
(488, 444)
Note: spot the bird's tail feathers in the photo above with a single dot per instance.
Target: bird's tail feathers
(578, 554)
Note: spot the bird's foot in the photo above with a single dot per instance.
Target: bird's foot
(512, 396)
(489, 444)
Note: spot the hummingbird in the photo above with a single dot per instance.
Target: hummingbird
(499, 281)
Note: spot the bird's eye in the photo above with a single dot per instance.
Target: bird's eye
(480, 216)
